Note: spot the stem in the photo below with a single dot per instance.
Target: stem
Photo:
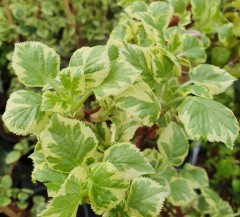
(8, 12)
(8, 212)
(178, 99)
(67, 11)
(9, 16)
(70, 13)
(82, 100)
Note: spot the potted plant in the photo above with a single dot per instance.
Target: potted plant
(114, 126)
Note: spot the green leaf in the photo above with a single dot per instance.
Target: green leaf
(35, 63)
(73, 80)
(53, 102)
(140, 102)
(192, 49)
(13, 156)
(209, 120)
(5, 182)
(145, 198)
(196, 176)
(94, 62)
(181, 192)
(121, 76)
(106, 187)
(173, 144)
(225, 34)
(67, 144)
(4, 201)
(23, 115)
(69, 197)
(220, 56)
(213, 78)
(128, 160)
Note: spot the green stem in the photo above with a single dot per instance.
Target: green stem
(172, 102)
(82, 100)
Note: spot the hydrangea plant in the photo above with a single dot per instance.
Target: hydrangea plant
(114, 127)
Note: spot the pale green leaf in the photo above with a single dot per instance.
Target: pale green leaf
(181, 192)
(23, 115)
(73, 80)
(209, 120)
(95, 64)
(128, 160)
(213, 78)
(106, 187)
(173, 144)
(69, 197)
(196, 176)
(35, 63)
(145, 198)
(67, 144)
(140, 102)
(121, 76)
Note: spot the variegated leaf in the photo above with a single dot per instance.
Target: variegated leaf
(123, 127)
(173, 144)
(106, 187)
(161, 166)
(141, 59)
(41, 172)
(225, 34)
(128, 160)
(69, 197)
(145, 198)
(162, 66)
(67, 144)
(94, 62)
(120, 34)
(140, 102)
(213, 78)
(52, 101)
(120, 77)
(192, 49)
(196, 176)
(209, 120)
(196, 90)
(35, 63)
(73, 80)
(181, 192)
(23, 115)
